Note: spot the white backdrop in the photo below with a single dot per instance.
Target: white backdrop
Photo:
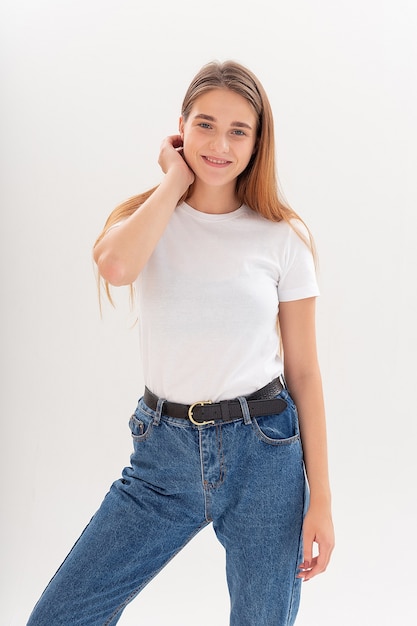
(89, 89)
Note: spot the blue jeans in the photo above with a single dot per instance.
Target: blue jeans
(246, 477)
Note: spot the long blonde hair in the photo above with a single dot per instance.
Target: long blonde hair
(257, 186)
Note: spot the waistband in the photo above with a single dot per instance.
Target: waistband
(202, 412)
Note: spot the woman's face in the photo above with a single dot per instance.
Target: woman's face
(219, 136)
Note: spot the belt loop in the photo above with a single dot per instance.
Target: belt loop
(158, 411)
(245, 410)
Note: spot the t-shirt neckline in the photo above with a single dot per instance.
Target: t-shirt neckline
(212, 217)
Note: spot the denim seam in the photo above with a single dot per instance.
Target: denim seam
(273, 442)
(145, 435)
(222, 466)
(204, 484)
(147, 412)
(299, 556)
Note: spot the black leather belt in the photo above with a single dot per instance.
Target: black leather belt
(261, 402)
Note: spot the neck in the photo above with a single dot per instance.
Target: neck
(213, 199)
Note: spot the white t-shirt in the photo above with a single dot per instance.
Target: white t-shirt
(208, 302)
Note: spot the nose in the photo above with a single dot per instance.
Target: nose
(219, 143)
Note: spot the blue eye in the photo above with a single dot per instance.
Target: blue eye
(204, 125)
(239, 132)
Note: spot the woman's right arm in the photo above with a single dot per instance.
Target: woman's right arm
(123, 251)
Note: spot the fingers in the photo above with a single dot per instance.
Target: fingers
(308, 542)
(318, 540)
(310, 569)
(174, 140)
(171, 148)
(312, 566)
(171, 158)
(307, 566)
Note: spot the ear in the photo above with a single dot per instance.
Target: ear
(181, 127)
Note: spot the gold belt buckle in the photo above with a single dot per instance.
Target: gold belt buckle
(190, 413)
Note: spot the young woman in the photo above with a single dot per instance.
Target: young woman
(225, 286)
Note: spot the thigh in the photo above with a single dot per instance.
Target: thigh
(259, 516)
(149, 514)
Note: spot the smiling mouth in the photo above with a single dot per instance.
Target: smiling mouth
(216, 161)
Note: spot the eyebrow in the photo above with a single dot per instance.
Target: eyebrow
(210, 118)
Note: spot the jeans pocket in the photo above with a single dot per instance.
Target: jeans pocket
(277, 430)
(140, 425)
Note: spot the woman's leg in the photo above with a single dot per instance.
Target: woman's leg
(145, 519)
(257, 515)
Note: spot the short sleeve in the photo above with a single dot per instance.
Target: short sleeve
(298, 279)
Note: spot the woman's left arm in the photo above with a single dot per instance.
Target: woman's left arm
(302, 373)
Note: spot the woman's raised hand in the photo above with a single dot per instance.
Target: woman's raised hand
(171, 158)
